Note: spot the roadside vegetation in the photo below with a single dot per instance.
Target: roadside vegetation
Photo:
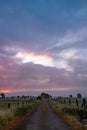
(71, 110)
(14, 111)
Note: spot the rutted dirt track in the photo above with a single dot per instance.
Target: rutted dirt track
(44, 119)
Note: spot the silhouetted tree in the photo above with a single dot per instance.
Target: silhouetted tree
(12, 97)
(23, 97)
(39, 98)
(18, 97)
(2, 95)
(45, 95)
(79, 95)
(70, 96)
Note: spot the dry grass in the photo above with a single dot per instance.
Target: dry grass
(9, 120)
(71, 120)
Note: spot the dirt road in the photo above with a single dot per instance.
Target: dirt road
(44, 119)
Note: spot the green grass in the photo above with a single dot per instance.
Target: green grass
(20, 111)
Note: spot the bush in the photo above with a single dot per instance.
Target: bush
(24, 109)
(4, 120)
(82, 113)
(21, 111)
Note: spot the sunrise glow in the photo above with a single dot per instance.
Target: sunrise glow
(5, 91)
(43, 46)
(36, 59)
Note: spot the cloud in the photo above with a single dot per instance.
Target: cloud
(43, 46)
(69, 40)
(33, 77)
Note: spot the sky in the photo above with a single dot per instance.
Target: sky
(43, 47)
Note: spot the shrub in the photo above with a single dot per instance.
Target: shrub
(4, 120)
(21, 111)
(82, 113)
(24, 109)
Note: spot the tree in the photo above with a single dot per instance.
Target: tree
(45, 95)
(39, 98)
(2, 95)
(70, 96)
(79, 95)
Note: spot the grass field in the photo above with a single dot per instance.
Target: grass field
(10, 114)
(68, 110)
